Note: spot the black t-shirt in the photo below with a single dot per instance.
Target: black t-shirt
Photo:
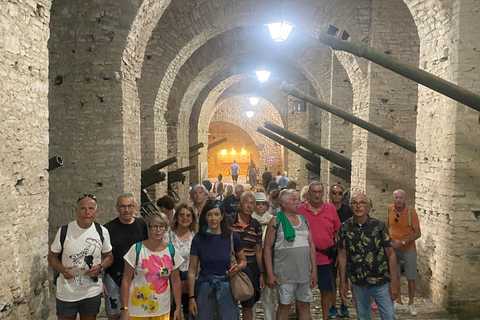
(122, 237)
(344, 213)
(231, 204)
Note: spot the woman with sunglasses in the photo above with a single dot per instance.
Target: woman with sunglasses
(181, 234)
(211, 250)
(150, 269)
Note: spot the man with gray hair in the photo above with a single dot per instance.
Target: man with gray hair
(365, 247)
(231, 203)
(79, 253)
(125, 230)
(324, 223)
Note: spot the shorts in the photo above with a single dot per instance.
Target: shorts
(409, 259)
(234, 177)
(325, 277)
(300, 291)
(112, 300)
(253, 274)
(165, 316)
(88, 306)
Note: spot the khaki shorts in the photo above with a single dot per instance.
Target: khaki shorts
(300, 291)
(409, 259)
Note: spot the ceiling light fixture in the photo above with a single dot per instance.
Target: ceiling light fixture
(262, 75)
(279, 31)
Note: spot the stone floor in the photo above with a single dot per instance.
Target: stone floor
(426, 310)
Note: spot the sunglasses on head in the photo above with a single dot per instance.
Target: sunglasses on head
(86, 195)
(215, 203)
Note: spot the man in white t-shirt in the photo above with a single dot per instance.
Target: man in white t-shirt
(85, 252)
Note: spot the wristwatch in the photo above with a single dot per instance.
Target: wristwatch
(101, 267)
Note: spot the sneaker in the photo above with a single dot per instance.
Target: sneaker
(374, 306)
(412, 310)
(333, 312)
(398, 306)
(344, 313)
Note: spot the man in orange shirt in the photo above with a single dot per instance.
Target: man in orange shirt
(404, 229)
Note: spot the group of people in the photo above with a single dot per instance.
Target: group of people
(179, 260)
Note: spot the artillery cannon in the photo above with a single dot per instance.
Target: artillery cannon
(54, 163)
(151, 175)
(326, 153)
(313, 168)
(216, 143)
(339, 39)
(196, 147)
(292, 90)
(177, 175)
(287, 144)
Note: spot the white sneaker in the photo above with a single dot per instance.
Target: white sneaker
(412, 309)
(398, 307)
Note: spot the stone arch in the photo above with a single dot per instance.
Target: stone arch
(232, 110)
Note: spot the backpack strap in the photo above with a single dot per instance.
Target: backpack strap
(138, 247)
(63, 235)
(99, 230)
(171, 249)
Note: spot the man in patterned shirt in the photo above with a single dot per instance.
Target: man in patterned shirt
(365, 242)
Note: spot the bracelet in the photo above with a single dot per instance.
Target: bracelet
(192, 297)
(123, 308)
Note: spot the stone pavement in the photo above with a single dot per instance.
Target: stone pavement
(426, 310)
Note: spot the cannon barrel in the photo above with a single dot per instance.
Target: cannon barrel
(326, 153)
(193, 156)
(54, 163)
(341, 173)
(196, 147)
(292, 90)
(150, 179)
(287, 144)
(313, 168)
(339, 39)
(162, 164)
(216, 143)
(177, 175)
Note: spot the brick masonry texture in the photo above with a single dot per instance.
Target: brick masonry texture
(115, 86)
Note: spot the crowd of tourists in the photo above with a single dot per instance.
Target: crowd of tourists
(179, 262)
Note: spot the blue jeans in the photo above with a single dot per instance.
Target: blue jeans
(381, 295)
(213, 294)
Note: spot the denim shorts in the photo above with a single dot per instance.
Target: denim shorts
(88, 306)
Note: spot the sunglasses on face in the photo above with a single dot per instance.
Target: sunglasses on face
(337, 193)
(263, 203)
(86, 195)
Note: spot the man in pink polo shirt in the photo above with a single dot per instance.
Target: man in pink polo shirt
(324, 224)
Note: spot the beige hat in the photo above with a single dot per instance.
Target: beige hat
(260, 197)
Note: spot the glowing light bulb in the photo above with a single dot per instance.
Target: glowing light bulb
(224, 151)
(233, 151)
(279, 31)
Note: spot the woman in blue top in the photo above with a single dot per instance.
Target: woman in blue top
(211, 252)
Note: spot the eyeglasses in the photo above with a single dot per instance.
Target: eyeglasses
(216, 203)
(361, 203)
(398, 216)
(160, 228)
(123, 207)
(263, 203)
(337, 193)
(86, 195)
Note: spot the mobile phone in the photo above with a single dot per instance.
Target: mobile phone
(231, 269)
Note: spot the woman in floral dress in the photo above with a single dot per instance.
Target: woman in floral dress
(151, 266)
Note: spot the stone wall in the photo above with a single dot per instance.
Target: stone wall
(24, 159)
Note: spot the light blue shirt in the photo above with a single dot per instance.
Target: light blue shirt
(234, 167)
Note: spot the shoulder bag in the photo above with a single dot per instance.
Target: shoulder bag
(240, 284)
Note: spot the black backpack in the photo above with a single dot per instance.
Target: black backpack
(63, 235)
